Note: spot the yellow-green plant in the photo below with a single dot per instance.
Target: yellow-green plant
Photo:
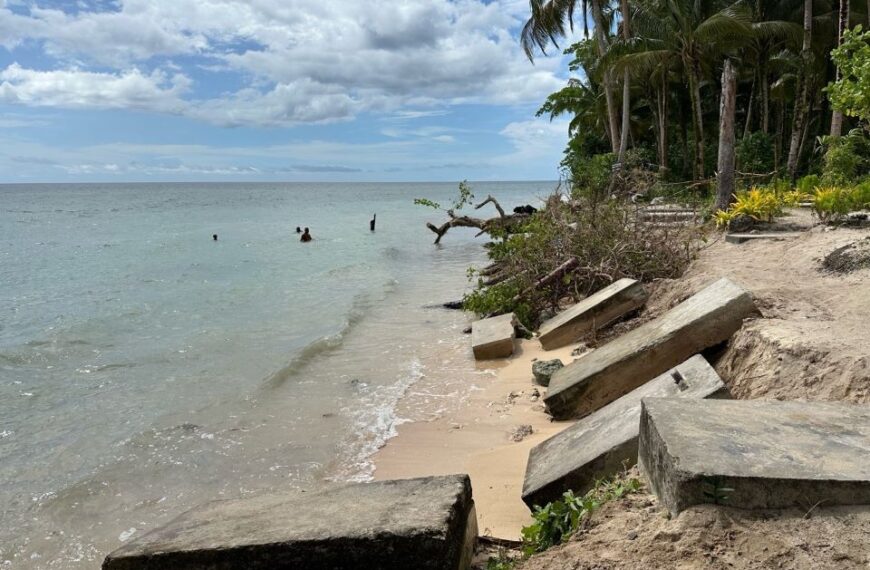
(723, 218)
(831, 202)
(794, 197)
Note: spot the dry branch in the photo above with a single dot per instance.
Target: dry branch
(557, 273)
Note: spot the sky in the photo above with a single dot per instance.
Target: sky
(273, 90)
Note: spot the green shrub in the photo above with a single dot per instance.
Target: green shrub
(808, 183)
(755, 153)
(608, 241)
(860, 196)
(831, 202)
(761, 204)
(591, 176)
(844, 158)
(557, 521)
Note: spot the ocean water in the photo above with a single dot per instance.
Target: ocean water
(145, 368)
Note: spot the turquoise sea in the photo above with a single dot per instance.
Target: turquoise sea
(145, 368)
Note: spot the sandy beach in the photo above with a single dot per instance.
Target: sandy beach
(476, 438)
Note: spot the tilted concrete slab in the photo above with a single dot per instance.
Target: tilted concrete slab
(615, 369)
(424, 523)
(755, 454)
(774, 236)
(600, 444)
(493, 337)
(592, 313)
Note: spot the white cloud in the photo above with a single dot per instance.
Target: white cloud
(535, 140)
(74, 88)
(303, 60)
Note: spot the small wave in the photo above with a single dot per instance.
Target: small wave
(375, 422)
(360, 307)
(314, 350)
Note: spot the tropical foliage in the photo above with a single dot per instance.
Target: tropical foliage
(714, 87)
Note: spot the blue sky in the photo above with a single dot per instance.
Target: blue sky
(139, 90)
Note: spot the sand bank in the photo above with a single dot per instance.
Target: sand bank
(476, 438)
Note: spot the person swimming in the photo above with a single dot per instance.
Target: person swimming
(214, 237)
(298, 230)
(306, 236)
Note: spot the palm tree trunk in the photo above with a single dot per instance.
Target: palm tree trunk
(842, 24)
(626, 86)
(697, 121)
(684, 131)
(777, 144)
(749, 107)
(800, 104)
(601, 36)
(765, 98)
(662, 104)
(727, 106)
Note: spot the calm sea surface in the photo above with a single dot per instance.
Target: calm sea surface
(145, 368)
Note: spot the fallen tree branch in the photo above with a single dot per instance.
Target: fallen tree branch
(557, 273)
(494, 202)
(508, 223)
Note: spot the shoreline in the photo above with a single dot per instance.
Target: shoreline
(475, 438)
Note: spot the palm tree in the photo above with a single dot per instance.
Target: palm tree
(801, 105)
(685, 30)
(842, 26)
(551, 19)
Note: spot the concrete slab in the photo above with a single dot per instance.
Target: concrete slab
(615, 369)
(600, 444)
(413, 523)
(772, 236)
(594, 312)
(755, 454)
(493, 337)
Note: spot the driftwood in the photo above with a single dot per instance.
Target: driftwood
(557, 273)
(504, 222)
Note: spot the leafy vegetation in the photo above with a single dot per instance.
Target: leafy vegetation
(760, 204)
(851, 92)
(607, 240)
(557, 521)
(649, 75)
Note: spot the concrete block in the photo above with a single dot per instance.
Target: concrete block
(758, 454)
(594, 312)
(615, 369)
(601, 443)
(424, 523)
(774, 236)
(493, 337)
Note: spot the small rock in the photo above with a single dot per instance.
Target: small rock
(466, 330)
(631, 536)
(535, 395)
(519, 433)
(543, 370)
(741, 223)
(511, 398)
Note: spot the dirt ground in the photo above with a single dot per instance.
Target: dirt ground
(811, 341)
(635, 534)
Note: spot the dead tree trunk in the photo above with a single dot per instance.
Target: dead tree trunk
(725, 174)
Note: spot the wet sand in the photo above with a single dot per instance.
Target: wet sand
(475, 438)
